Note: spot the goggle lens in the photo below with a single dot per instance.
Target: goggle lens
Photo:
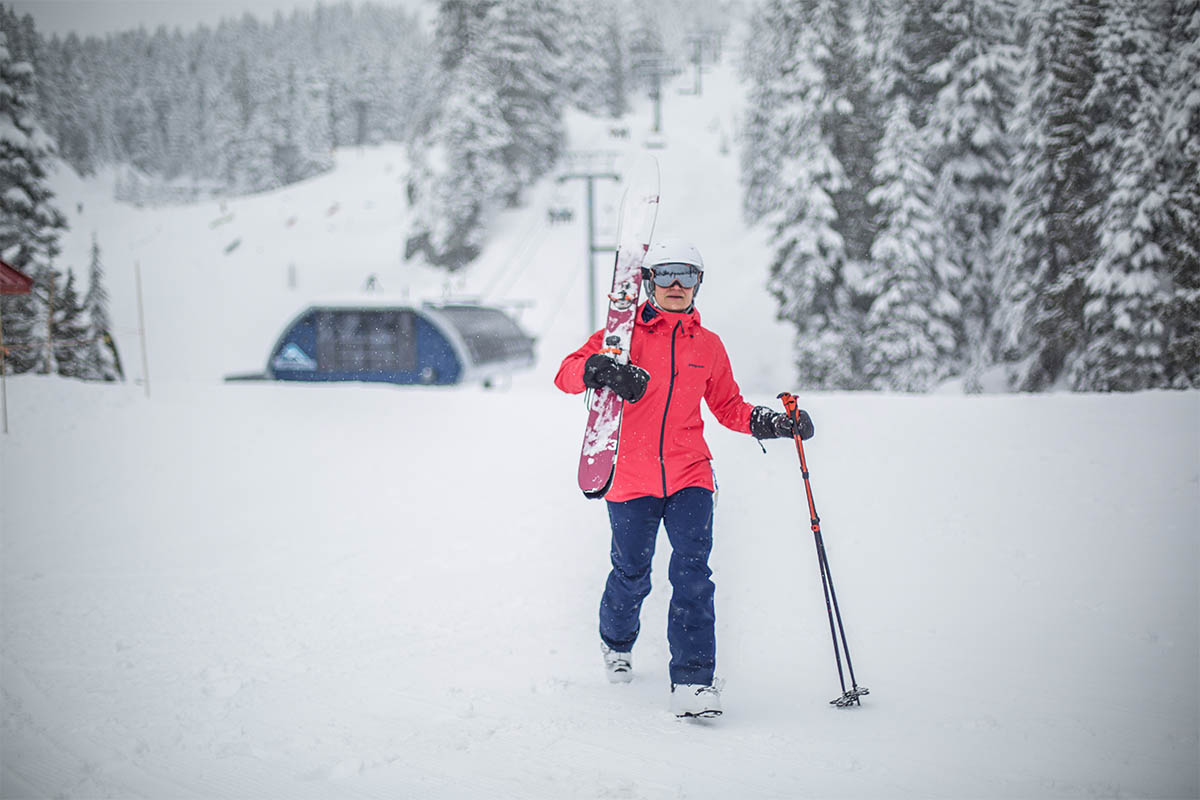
(685, 275)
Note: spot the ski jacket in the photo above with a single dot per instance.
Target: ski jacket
(662, 448)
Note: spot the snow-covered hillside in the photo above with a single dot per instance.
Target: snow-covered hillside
(261, 590)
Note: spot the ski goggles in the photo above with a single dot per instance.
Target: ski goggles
(685, 275)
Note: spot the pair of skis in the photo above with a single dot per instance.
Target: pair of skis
(639, 208)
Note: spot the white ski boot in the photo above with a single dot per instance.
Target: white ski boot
(618, 665)
(695, 701)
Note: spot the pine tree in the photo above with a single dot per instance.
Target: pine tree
(970, 152)
(1181, 190)
(615, 80)
(910, 339)
(1124, 334)
(498, 129)
(29, 222)
(1049, 236)
(807, 156)
(70, 332)
(104, 363)
(757, 156)
(909, 331)
(522, 55)
(791, 184)
(586, 59)
(458, 175)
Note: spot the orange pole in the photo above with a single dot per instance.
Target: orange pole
(851, 697)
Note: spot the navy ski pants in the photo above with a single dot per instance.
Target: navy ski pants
(691, 626)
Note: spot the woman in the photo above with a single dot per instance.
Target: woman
(663, 473)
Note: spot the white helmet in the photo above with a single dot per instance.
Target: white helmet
(670, 251)
(673, 251)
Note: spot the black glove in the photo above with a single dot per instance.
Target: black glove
(768, 424)
(627, 380)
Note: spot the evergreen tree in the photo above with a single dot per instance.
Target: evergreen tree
(807, 159)
(970, 152)
(797, 176)
(1124, 332)
(1181, 190)
(585, 47)
(103, 361)
(759, 156)
(1048, 237)
(910, 339)
(70, 342)
(458, 174)
(39, 348)
(521, 49)
(29, 222)
(615, 75)
(499, 127)
(65, 113)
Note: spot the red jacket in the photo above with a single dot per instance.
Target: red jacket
(662, 448)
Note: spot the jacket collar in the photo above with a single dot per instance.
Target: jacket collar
(650, 315)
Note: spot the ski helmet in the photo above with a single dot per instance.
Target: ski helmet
(670, 251)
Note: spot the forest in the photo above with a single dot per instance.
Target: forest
(1006, 192)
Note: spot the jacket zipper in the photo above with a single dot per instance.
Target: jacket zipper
(662, 434)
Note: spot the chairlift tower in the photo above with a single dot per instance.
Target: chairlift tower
(591, 166)
(706, 47)
(655, 67)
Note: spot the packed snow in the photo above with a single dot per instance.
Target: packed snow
(220, 589)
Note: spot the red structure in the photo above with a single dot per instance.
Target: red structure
(13, 281)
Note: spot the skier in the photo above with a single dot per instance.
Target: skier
(663, 473)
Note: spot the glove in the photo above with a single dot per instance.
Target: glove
(768, 424)
(627, 380)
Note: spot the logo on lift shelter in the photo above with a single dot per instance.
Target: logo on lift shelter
(293, 358)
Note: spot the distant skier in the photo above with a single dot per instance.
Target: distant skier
(664, 473)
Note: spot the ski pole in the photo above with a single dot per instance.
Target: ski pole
(851, 696)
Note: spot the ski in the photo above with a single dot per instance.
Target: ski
(639, 207)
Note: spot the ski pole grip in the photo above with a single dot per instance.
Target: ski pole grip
(789, 403)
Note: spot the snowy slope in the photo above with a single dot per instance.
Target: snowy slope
(256, 590)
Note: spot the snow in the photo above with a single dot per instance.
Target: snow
(270, 590)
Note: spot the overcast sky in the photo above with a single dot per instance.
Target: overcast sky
(98, 17)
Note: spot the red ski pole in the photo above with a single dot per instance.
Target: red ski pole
(851, 696)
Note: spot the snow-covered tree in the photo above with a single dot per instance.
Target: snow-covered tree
(592, 58)
(1181, 193)
(104, 363)
(70, 331)
(498, 129)
(457, 180)
(1125, 337)
(909, 333)
(522, 52)
(29, 222)
(910, 337)
(797, 177)
(806, 157)
(970, 151)
(1048, 234)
